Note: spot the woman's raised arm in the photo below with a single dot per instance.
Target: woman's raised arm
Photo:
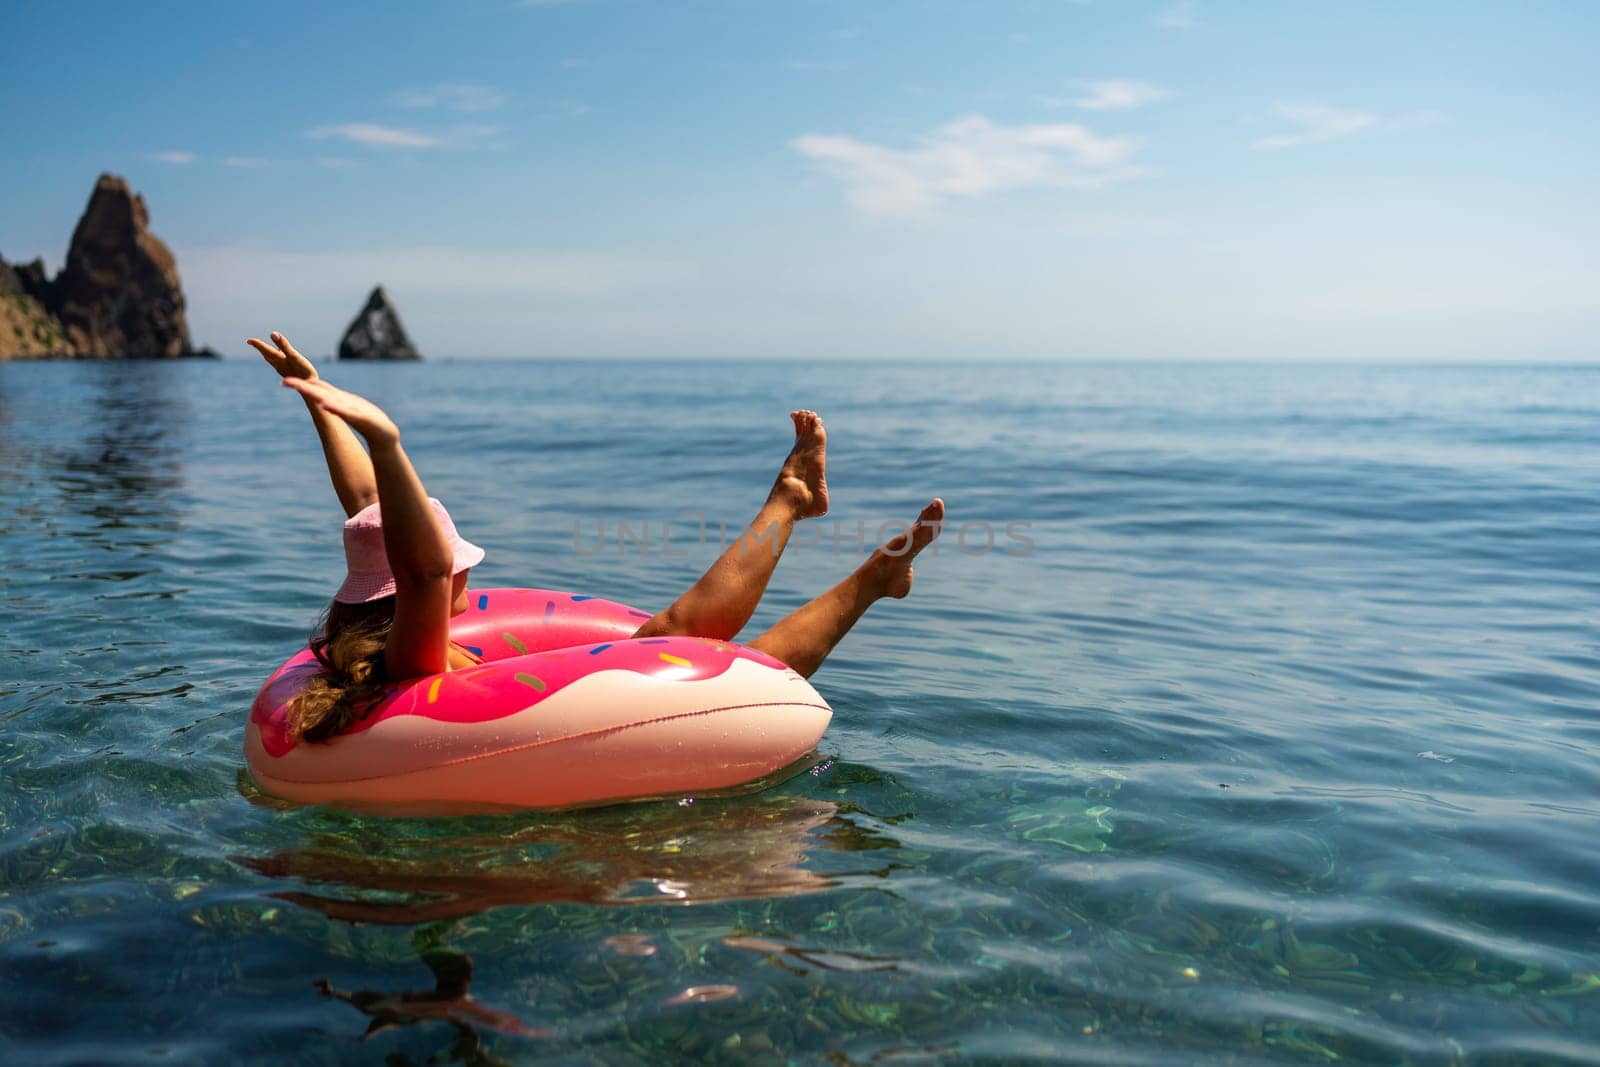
(348, 464)
(419, 555)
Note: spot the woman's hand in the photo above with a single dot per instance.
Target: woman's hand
(348, 465)
(282, 357)
(365, 417)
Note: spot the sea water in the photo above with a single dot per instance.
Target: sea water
(1244, 714)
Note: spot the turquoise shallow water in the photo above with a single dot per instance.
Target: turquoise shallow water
(1268, 735)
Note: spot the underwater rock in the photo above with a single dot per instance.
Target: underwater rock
(376, 332)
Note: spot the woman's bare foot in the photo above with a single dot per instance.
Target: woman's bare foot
(892, 563)
(722, 601)
(803, 481)
(804, 637)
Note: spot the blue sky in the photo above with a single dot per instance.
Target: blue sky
(1034, 179)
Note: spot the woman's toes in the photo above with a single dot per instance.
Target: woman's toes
(804, 475)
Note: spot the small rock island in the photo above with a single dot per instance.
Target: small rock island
(376, 332)
(117, 297)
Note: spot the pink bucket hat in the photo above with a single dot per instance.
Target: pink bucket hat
(369, 575)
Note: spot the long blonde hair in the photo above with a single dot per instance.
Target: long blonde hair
(348, 643)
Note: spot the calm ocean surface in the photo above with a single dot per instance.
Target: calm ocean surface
(1269, 734)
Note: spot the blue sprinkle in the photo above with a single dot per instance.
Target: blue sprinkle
(597, 649)
(580, 599)
(483, 602)
(549, 609)
(474, 649)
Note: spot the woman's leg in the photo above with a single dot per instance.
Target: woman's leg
(725, 597)
(804, 638)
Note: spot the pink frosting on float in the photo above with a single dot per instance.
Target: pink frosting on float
(535, 643)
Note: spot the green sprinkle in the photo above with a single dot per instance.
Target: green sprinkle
(528, 679)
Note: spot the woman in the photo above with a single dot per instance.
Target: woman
(390, 620)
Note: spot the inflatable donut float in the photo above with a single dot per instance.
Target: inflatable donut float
(568, 708)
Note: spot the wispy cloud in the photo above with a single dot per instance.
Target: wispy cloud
(1416, 120)
(970, 157)
(1114, 95)
(246, 162)
(176, 158)
(374, 136)
(1182, 15)
(814, 66)
(335, 163)
(1316, 123)
(559, 106)
(470, 136)
(455, 97)
(429, 269)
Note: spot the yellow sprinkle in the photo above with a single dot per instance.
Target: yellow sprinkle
(675, 660)
(528, 679)
(511, 639)
(433, 690)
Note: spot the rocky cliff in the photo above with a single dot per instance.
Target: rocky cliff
(118, 296)
(27, 326)
(376, 332)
